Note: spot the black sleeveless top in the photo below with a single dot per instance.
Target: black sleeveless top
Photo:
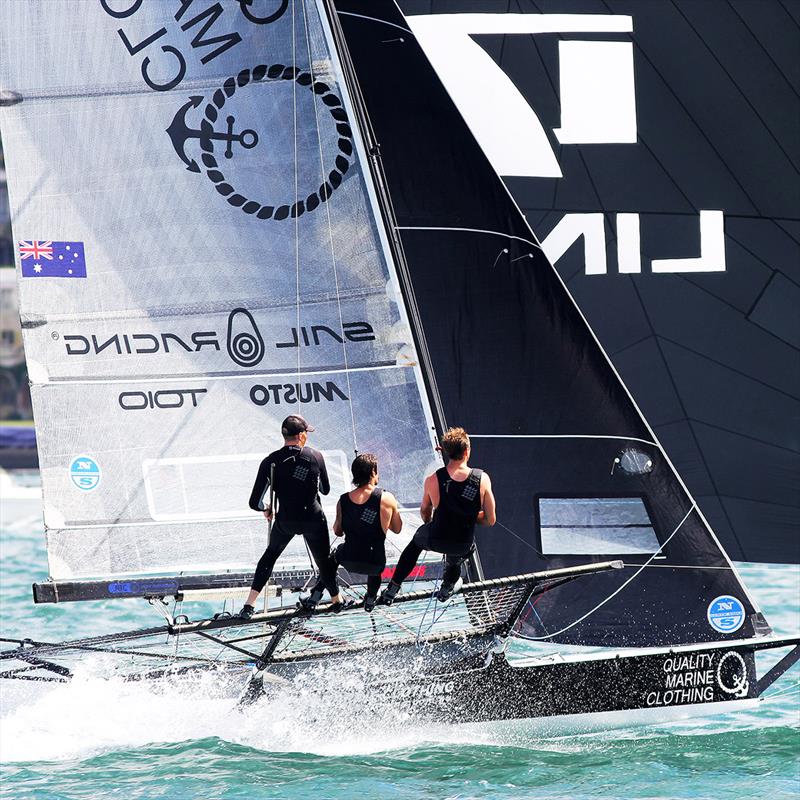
(453, 524)
(363, 550)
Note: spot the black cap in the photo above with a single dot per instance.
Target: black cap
(294, 424)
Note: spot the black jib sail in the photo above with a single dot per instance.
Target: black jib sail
(578, 473)
(654, 148)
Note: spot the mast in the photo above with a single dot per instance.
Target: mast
(386, 211)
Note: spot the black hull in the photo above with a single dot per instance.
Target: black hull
(482, 689)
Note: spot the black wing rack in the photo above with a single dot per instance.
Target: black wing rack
(479, 612)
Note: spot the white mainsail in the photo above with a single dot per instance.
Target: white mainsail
(231, 268)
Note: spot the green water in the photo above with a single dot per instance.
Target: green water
(97, 739)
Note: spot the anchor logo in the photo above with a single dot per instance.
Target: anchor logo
(207, 136)
(180, 132)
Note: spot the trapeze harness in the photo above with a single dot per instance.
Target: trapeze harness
(452, 529)
(363, 550)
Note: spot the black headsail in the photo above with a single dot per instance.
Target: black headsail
(577, 472)
(672, 219)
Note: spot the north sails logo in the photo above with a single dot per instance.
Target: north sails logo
(208, 136)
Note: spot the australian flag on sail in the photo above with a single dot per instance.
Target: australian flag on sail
(50, 259)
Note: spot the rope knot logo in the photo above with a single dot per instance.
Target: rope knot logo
(222, 134)
(244, 342)
(732, 674)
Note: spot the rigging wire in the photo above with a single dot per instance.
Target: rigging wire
(296, 198)
(786, 690)
(618, 589)
(330, 228)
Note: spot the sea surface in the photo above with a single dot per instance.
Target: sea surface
(96, 738)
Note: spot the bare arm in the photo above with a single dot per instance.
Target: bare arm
(426, 508)
(390, 513)
(337, 523)
(488, 515)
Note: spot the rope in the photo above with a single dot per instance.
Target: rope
(617, 590)
(330, 237)
(524, 541)
(296, 198)
(795, 687)
(433, 598)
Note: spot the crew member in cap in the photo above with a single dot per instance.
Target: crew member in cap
(299, 475)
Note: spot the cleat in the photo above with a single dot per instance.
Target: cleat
(388, 594)
(246, 612)
(369, 602)
(447, 590)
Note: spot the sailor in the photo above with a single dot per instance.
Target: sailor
(363, 516)
(455, 499)
(299, 475)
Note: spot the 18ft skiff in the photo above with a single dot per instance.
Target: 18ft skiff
(247, 213)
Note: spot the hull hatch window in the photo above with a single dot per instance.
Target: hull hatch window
(595, 526)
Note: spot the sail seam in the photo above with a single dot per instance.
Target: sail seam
(466, 230)
(744, 96)
(561, 436)
(146, 523)
(675, 566)
(222, 376)
(196, 377)
(253, 303)
(671, 377)
(375, 19)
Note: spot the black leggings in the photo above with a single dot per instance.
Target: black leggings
(373, 581)
(410, 555)
(315, 533)
(373, 584)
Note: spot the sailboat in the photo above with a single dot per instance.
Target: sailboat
(254, 209)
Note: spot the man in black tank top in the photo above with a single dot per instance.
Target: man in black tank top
(362, 517)
(455, 499)
(299, 476)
